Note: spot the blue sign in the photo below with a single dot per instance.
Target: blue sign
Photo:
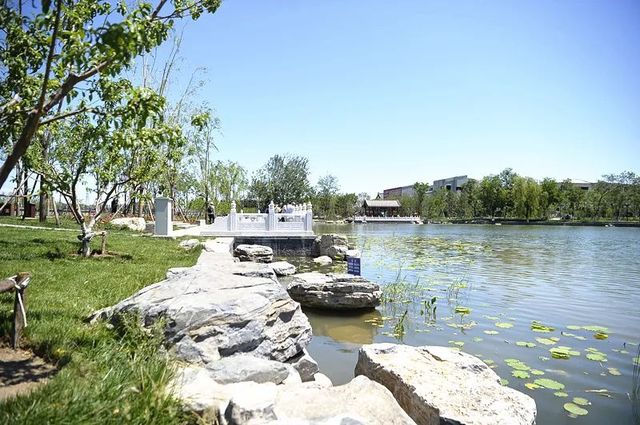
(353, 265)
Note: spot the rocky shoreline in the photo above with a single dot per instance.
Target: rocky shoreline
(238, 341)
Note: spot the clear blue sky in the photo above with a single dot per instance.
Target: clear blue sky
(383, 94)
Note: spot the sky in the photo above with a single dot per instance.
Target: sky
(383, 94)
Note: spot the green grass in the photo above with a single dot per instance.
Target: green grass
(107, 375)
(65, 222)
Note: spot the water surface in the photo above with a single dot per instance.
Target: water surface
(566, 278)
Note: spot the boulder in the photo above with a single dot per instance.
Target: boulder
(137, 224)
(283, 268)
(353, 253)
(189, 244)
(245, 367)
(337, 252)
(253, 270)
(336, 291)
(174, 271)
(323, 260)
(306, 366)
(322, 379)
(209, 313)
(439, 385)
(255, 253)
(361, 401)
(332, 245)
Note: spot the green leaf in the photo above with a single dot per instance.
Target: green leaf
(504, 325)
(574, 409)
(545, 341)
(581, 401)
(491, 332)
(560, 394)
(521, 374)
(549, 383)
(525, 344)
(539, 327)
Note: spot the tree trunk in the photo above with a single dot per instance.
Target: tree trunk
(55, 210)
(25, 200)
(85, 240)
(43, 205)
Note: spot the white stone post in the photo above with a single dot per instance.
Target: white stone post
(308, 219)
(232, 222)
(271, 218)
(164, 225)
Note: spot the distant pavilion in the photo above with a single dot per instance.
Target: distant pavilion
(381, 208)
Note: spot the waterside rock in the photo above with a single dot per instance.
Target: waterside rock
(332, 245)
(210, 313)
(255, 253)
(361, 401)
(336, 291)
(283, 268)
(323, 260)
(137, 224)
(439, 385)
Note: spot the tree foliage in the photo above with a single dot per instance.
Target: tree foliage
(55, 55)
(284, 179)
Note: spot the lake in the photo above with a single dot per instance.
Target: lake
(554, 310)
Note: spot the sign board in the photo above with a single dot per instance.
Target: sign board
(353, 265)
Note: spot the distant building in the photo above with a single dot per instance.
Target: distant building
(398, 192)
(582, 184)
(451, 183)
(381, 208)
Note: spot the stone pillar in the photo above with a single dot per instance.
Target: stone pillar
(164, 225)
(232, 220)
(308, 219)
(271, 217)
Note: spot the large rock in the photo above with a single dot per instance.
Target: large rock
(306, 366)
(331, 245)
(361, 401)
(283, 268)
(246, 367)
(336, 291)
(323, 260)
(137, 224)
(255, 253)
(189, 244)
(209, 312)
(439, 385)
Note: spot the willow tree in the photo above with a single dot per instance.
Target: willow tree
(53, 52)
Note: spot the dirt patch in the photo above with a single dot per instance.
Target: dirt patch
(21, 371)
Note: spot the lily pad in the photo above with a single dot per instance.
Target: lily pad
(575, 409)
(560, 394)
(532, 386)
(504, 325)
(594, 328)
(539, 327)
(525, 344)
(504, 382)
(491, 332)
(574, 327)
(536, 372)
(463, 310)
(581, 401)
(549, 383)
(521, 374)
(477, 339)
(545, 341)
(562, 352)
(597, 357)
(600, 335)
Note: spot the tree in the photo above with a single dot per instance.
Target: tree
(326, 192)
(549, 196)
(347, 204)
(104, 148)
(53, 55)
(526, 196)
(284, 179)
(491, 194)
(421, 190)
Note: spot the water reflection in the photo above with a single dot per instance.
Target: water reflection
(344, 327)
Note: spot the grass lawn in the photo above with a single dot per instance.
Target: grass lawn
(106, 375)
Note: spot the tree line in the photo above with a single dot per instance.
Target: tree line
(509, 195)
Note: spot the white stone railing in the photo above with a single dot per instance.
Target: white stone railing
(300, 219)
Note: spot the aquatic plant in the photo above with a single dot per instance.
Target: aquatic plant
(429, 310)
